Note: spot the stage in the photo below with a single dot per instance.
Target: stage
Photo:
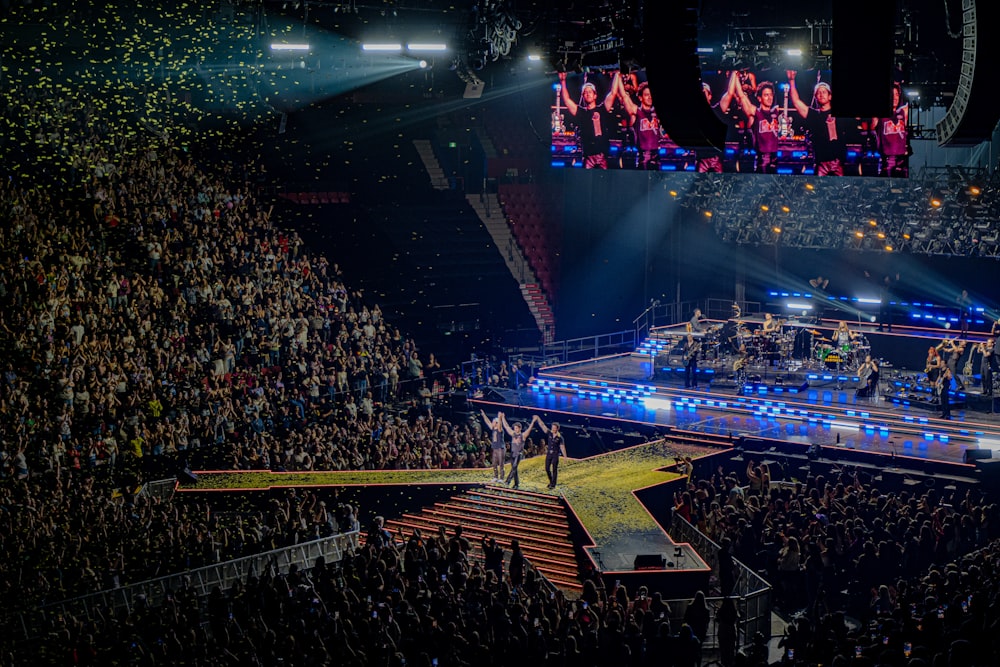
(792, 397)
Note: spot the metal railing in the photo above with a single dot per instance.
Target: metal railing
(152, 592)
(588, 347)
(751, 590)
(161, 489)
(518, 263)
(657, 314)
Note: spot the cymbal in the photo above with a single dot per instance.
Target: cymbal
(823, 340)
(814, 332)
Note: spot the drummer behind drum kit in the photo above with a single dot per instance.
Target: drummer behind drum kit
(773, 347)
(787, 346)
(846, 357)
(778, 347)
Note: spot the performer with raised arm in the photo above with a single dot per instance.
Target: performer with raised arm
(765, 127)
(594, 121)
(518, 435)
(891, 136)
(497, 445)
(827, 140)
(645, 125)
(713, 163)
(554, 446)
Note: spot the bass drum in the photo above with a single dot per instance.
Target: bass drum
(833, 359)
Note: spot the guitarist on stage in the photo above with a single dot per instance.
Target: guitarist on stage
(986, 363)
(944, 392)
(691, 350)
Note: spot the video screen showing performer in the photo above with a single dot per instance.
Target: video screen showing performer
(778, 121)
(620, 107)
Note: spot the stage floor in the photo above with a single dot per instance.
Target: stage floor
(825, 412)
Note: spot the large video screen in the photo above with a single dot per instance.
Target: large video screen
(778, 122)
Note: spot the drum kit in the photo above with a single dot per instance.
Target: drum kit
(845, 357)
(766, 347)
(782, 345)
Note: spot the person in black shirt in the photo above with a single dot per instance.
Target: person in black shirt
(986, 348)
(493, 556)
(826, 136)
(691, 350)
(868, 374)
(944, 392)
(594, 122)
(964, 302)
(554, 446)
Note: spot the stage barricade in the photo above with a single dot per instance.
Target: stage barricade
(151, 593)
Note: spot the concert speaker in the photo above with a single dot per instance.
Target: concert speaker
(185, 476)
(862, 65)
(754, 445)
(473, 90)
(976, 455)
(459, 400)
(973, 113)
(670, 33)
(649, 562)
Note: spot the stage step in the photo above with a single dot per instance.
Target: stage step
(538, 521)
(554, 565)
(528, 518)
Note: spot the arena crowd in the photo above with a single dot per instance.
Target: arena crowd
(152, 306)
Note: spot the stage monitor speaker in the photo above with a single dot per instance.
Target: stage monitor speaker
(805, 385)
(185, 476)
(861, 76)
(649, 562)
(973, 113)
(490, 394)
(974, 455)
(753, 445)
(670, 32)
